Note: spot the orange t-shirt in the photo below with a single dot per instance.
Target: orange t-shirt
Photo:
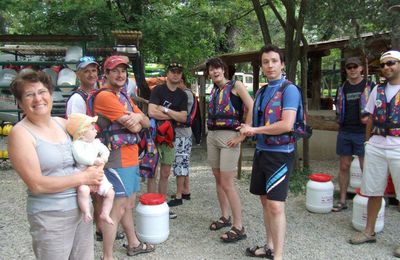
(107, 104)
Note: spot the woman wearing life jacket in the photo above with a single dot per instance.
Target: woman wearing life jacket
(229, 101)
(274, 115)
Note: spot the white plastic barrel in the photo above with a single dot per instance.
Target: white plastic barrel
(355, 173)
(152, 218)
(319, 193)
(66, 77)
(359, 218)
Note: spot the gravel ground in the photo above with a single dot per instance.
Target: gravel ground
(309, 236)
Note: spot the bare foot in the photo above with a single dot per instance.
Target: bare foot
(106, 218)
(87, 217)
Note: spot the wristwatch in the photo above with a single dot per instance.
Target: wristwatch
(166, 110)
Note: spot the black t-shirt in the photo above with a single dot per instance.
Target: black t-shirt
(352, 119)
(175, 100)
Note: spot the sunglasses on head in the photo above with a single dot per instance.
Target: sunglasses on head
(355, 66)
(388, 63)
(86, 59)
(175, 65)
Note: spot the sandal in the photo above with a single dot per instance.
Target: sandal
(339, 207)
(251, 251)
(220, 223)
(140, 249)
(361, 238)
(234, 235)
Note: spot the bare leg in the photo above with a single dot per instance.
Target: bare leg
(107, 206)
(344, 176)
(374, 205)
(228, 186)
(179, 186)
(277, 224)
(110, 231)
(128, 224)
(268, 236)
(222, 198)
(152, 183)
(186, 189)
(97, 201)
(83, 202)
(164, 175)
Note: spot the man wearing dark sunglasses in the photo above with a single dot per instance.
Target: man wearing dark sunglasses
(382, 150)
(351, 99)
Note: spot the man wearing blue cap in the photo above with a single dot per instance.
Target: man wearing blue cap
(382, 150)
(87, 73)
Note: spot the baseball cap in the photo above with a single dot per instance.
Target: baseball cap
(85, 61)
(77, 122)
(391, 54)
(113, 61)
(175, 66)
(353, 60)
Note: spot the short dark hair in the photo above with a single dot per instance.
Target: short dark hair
(216, 63)
(272, 48)
(23, 78)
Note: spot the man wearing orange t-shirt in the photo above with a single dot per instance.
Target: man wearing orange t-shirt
(124, 121)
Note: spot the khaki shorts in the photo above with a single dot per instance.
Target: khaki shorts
(378, 163)
(219, 155)
(61, 235)
(166, 153)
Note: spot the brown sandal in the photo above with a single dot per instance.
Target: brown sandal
(234, 235)
(220, 223)
(143, 247)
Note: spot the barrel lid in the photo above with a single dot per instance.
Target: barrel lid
(320, 177)
(152, 199)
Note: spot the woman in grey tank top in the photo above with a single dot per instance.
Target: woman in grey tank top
(40, 152)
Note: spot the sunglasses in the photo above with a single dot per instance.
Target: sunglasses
(389, 63)
(86, 59)
(351, 67)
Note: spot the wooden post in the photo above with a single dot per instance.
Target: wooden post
(316, 82)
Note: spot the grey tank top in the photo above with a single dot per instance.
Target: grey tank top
(55, 160)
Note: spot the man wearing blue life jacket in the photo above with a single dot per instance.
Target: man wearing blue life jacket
(274, 115)
(382, 150)
(351, 99)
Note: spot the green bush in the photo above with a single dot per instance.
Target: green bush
(298, 180)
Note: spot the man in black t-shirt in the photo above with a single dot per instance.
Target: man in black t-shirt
(351, 99)
(167, 103)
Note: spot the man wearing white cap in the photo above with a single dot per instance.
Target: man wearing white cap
(382, 150)
(87, 73)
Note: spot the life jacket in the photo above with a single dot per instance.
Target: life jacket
(148, 154)
(341, 102)
(112, 134)
(81, 93)
(165, 133)
(222, 115)
(386, 117)
(273, 113)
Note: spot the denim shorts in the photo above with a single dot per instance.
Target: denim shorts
(350, 143)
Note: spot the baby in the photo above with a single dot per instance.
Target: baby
(87, 151)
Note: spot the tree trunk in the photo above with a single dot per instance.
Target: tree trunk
(262, 21)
